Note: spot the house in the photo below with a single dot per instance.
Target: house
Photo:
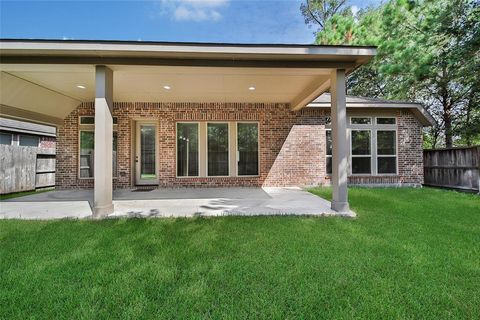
(192, 114)
(27, 156)
(21, 133)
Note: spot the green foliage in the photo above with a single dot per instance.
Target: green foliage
(318, 12)
(428, 51)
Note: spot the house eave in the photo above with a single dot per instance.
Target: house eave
(312, 64)
(417, 109)
(183, 54)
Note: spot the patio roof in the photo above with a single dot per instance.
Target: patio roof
(45, 80)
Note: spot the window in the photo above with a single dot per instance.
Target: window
(247, 144)
(360, 120)
(386, 152)
(187, 149)
(29, 141)
(386, 120)
(361, 152)
(91, 120)
(87, 147)
(6, 138)
(373, 145)
(217, 150)
(87, 141)
(328, 143)
(87, 120)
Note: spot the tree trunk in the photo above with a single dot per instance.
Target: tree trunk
(447, 110)
(447, 121)
(468, 136)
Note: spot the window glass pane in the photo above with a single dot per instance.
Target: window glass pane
(385, 120)
(358, 120)
(247, 148)
(217, 149)
(87, 143)
(114, 155)
(361, 165)
(91, 120)
(328, 135)
(87, 120)
(87, 139)
(147, 152)
(329, 165)
(29, 141)
(360, 142)
(6, 138)
(187, 149)
(386, 142)
(387, 165)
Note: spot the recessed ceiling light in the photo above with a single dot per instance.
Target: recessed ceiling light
(81, 87)
(251, 88)
(167, 87)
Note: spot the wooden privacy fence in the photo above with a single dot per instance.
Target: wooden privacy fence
(453, 168)
(26, 168)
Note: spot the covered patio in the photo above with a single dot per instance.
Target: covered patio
(43, 81)
(169, 202)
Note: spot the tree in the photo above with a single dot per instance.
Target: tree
(428, 51)
(318, 12)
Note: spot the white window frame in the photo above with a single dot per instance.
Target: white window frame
(373, 127)
(229, 147)
(385, 124)
(11, 138)
(176, 150)
(361, 124)
(386, 155)
(91, 128)
(86, 124)
(79, 150)
(328, 155)
(26, 135)
(238, 152)
(93, 124)
(371, 156)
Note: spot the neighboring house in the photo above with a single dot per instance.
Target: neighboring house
(27, 155)
(21, 133)
(217, 115)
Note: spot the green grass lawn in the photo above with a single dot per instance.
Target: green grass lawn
(411, 253)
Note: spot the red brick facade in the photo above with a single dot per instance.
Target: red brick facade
(292, 145)
(47, 142)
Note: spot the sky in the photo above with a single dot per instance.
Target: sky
(223, 21)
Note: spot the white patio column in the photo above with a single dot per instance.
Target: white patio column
(339, 142)
(103, 204)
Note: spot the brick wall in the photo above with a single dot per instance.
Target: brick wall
(292, 144)
(410, 149)
(47, 142)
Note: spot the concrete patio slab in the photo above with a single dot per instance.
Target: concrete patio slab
(38, 210)
(180, 202)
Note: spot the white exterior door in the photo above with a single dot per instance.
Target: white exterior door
(146, 153)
